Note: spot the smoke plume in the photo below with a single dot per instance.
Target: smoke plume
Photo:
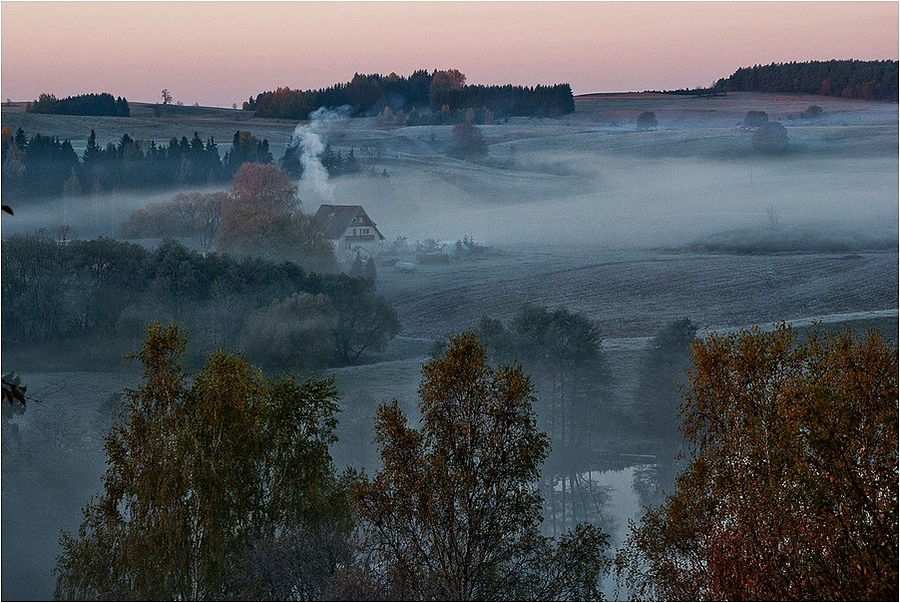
(311, 139)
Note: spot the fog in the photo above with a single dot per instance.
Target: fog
(589, 178)
(614, 187)
(634, 202)
(573, 188)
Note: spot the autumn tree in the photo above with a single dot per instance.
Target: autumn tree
(262, 218)
(442, 83)
(467, 142)
(192, 215)
(454, 512)
(210, 481)
(791, 488)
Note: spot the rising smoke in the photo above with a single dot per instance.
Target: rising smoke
(311, 139)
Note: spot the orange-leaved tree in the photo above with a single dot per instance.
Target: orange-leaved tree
(791, 489)
(262, 217)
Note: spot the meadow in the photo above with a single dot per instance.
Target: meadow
(633, 229)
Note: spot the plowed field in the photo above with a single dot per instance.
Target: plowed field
(634, 293)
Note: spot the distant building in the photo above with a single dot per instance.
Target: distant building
(350, 228)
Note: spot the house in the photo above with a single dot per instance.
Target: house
(350, 228)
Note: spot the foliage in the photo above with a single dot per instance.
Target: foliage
(454, 513)
(370, 94)
(869, 80)
(14, 391)
(44, 166)
(261, 217)
(294, 333)
(193, 215)
(199, 475)
(87, 291)
(771, 137)
(365, 321)
(755, 119)
(664, 368)
(245, 148)
(82, 104)
(561, 349)
(646, 120)
(812, 112)
(467, 142)
(791, 490)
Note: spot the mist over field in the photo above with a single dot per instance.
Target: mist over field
(589, 178)
(632, 228)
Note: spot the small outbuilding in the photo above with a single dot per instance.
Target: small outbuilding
(350, 228)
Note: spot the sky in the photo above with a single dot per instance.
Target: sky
(216, 53)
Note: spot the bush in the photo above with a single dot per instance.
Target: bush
(646, 120)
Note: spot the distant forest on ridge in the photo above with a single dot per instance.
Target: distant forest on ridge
(867, 80)
(443, 92)
(443, 96)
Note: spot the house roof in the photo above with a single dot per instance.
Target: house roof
(333, 220)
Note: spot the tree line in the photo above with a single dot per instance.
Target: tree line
(44, 166)
(82, 104)
(868, 80)
(88, 293)
(444, 93)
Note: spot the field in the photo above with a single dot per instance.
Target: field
(631, 228)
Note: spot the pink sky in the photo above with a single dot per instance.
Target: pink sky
(219, 53)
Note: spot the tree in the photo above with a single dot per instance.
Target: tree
(246, 148)
(755, 119)
(193, 214)
(204, 478)
(454, 511)
(165, 96)
(292, 334)
(365, 321)
(791, 489)
(442, 83)
(646, 120)
(771, 137)
(261, 218)
(663, 374)
(665, 365)
(467, 142)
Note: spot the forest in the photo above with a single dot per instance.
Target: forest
(82, 104)
(444, 93)
(43, 166)
(255, 291)
(867, 80)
